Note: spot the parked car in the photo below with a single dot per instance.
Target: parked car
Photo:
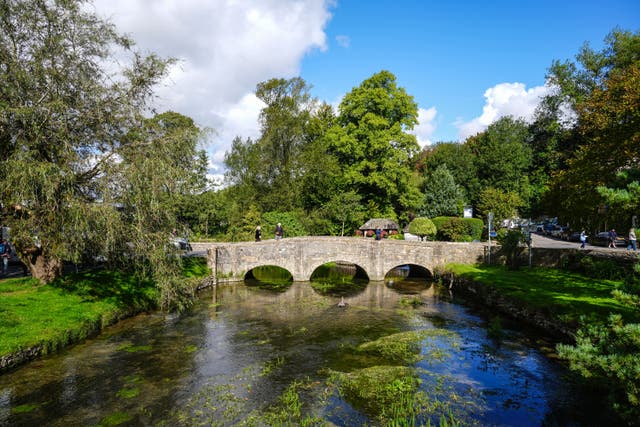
(181, 244)
(572, 236)
(602, 239)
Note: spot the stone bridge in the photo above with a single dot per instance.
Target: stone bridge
(302, 255)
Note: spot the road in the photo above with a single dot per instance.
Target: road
(540, 241)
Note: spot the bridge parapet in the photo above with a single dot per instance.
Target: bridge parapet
(302, 255)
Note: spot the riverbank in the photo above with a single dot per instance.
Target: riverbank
(553, 300)
(36, 320)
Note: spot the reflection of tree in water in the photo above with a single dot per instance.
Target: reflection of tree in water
(269, 277)
(339, 279)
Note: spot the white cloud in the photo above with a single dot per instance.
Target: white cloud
(426, 126)
(224, 48)
(504, 99)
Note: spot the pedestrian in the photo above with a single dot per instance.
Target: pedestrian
(5, 252)
(258, 234)
(378, 234)
(279, 231)
(612, 238)
(632, 240)
(583, 239)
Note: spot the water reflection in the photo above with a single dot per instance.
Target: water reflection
(231, 360)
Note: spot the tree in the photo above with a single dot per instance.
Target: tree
(442, 196)
(422, 227)
(75, 147)
(503, 204)
(346, 209)
(503, 157)
(459, 161)
(372, 146)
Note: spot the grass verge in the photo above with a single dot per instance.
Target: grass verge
(567, 296)
(73, 307)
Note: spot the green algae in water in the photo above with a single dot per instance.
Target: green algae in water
(130, 348)
(115, 419)
(128, 393)
(373, 389)
(405, 347)
(191, 349)
(23, 409)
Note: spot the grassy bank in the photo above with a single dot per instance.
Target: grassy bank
(73, 307)
(567, 296)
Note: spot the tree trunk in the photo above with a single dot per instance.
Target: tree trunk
(42, 267)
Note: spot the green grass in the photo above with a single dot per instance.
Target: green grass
(67, 310)
(567, 296)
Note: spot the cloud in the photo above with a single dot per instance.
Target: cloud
(426, 126)
(504, 99)
(224, 49)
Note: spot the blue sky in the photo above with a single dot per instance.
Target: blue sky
(466, 63)
(447, 54)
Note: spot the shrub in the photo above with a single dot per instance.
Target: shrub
(422, 227)
(476, 226)
(454, 230)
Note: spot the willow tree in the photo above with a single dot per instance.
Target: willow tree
(71, 123)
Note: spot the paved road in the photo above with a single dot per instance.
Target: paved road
(540, 241)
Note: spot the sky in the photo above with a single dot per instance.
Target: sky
(466, 63)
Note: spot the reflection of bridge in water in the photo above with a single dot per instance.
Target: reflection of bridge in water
(301, 256)
(301, 300)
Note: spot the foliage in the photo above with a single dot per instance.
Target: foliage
(372, 145)
(422, 227)
(610, 353)
(502, 156)
(442, 196)
(290, 223)
(511, 242)
(346, 210)
(85, 174)
(503, 204)
(476, 226)
(459, 161)
(454, 229)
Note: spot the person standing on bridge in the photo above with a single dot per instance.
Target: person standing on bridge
(632, 240)
(612, 238)
(279, 231)
(583, 239)
(258, 234)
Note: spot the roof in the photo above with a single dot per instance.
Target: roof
(381, 223)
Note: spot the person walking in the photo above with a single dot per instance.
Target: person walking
(5, 252)
(279, 231)
(612, 238)
(632, 240)
(258, 234)
(583, 239)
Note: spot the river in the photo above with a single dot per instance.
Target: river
(249, 356)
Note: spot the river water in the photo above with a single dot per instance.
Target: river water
(243, 352)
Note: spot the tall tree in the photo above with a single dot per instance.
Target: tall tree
(70, 134)
(442, 196)
(503, 156)
(373, 146)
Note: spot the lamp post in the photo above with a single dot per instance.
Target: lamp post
(489, 220)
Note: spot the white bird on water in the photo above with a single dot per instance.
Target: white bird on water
(342, 303)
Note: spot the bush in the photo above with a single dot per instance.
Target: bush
(422, 227)
(454, 230)
(290, 223)
(476, 226)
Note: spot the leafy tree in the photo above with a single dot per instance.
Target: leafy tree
(503, 204)
(458, 159)
(345, 209)
(503, 157)
(422, 227)
(85, 174)
(372, 145)
(442, 196)
(604, 92)
(511, 245)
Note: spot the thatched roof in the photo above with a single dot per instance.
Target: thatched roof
(381, 223)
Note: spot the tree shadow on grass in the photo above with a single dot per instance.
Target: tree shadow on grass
(121, 288)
